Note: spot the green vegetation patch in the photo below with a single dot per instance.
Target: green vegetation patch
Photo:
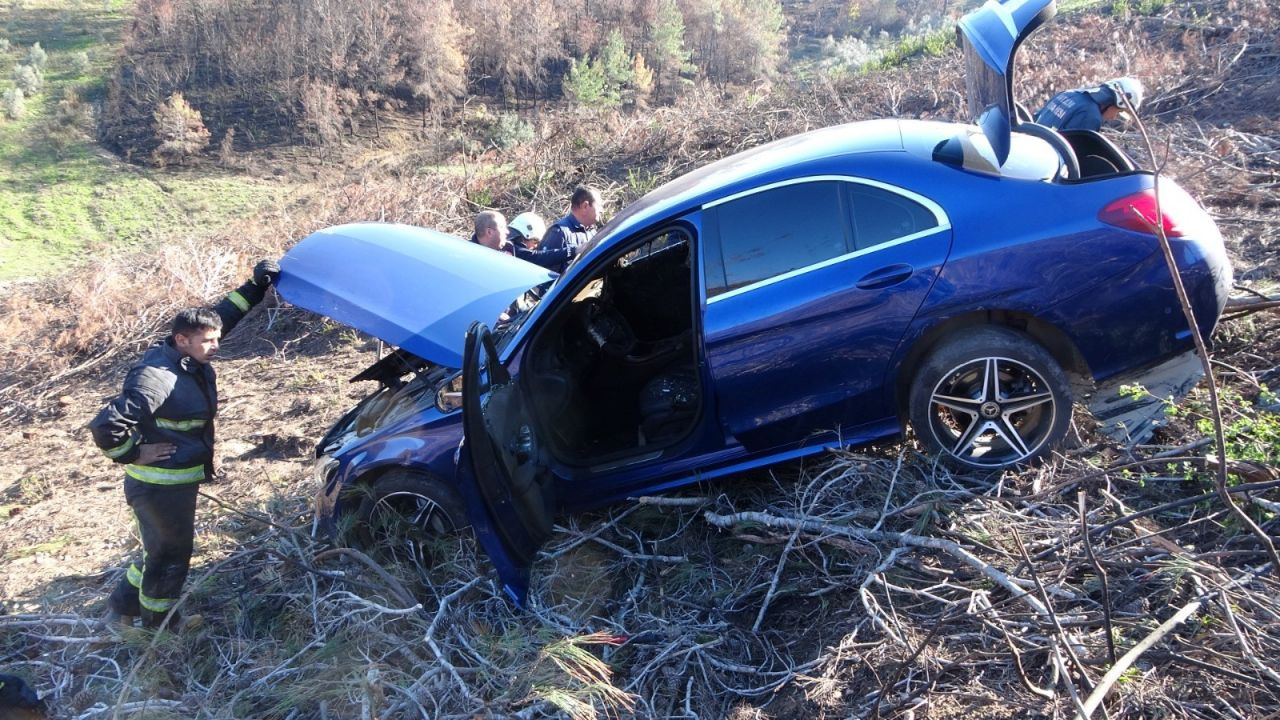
(61, 196)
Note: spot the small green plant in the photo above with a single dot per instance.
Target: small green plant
(1250, 436)
(1132, 674)
(930, 45)
(509, 130)
(15, 103)
(640, 181)
(80, 63)
(34, 489)
(28, 79)
(482, 198)
(37, 57)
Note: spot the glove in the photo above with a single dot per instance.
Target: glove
(266, 272)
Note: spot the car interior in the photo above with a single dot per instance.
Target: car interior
(1098, 156)
(615, 372)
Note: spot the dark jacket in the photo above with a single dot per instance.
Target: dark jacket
(1079, 109)
(559, 245)
(168, 398)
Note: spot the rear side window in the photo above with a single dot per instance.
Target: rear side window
(776, 231)
(880, 216)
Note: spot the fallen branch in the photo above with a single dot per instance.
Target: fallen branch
(1017, 586)
(1129, 658)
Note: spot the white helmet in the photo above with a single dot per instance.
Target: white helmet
(1130, 87)
(529, 225)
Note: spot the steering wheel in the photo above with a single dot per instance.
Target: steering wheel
(607, 328)
(1057, 142)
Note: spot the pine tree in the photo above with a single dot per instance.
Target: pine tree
(614, 61)
(585, 84)
(670, 57)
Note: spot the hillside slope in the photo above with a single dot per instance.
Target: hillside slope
(698, 609)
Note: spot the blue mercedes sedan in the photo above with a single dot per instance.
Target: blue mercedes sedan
(969, 281)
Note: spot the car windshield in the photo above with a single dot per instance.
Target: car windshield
(517, 313)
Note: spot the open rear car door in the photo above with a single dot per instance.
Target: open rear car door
(510, 499)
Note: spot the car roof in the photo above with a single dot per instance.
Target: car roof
(796, 156)
(775, 161)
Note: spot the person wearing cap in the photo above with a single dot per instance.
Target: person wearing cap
(525, 231)
(491, 232)
(1086, 108)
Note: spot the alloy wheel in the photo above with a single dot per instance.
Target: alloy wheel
(992, 411)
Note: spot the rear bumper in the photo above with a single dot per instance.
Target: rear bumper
(1130, 416)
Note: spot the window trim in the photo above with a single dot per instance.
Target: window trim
(944, 225)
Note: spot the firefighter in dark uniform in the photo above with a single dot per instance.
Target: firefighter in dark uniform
(160, 428)
(1087, 108)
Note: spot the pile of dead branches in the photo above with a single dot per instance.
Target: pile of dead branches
(864, 585)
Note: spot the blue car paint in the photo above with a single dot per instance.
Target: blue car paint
(1001, 251)
(750, 430)
(385, 294)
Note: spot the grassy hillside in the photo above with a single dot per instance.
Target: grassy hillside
(62, 199)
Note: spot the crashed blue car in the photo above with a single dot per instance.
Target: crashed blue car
(969, 281)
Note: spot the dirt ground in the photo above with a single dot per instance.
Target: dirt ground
(62, 511)
(855, 625)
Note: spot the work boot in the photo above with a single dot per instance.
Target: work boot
(177, 625)
(114, 619)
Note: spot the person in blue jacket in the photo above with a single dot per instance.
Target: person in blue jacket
(561, 242)
(1087, 108)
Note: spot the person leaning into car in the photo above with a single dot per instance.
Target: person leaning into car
(562, 240)
(160, 427)
(1087, 108)
(491, 232)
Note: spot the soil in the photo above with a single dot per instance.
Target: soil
(62, 512)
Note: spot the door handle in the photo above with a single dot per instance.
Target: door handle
(885, 276)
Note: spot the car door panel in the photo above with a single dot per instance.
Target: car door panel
(779, 349)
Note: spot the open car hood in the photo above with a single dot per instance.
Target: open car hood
(415, 288)
(989, 38)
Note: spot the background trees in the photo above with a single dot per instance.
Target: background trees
(319, 70)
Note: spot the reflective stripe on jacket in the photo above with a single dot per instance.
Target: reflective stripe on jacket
(169, 398)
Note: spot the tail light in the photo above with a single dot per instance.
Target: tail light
(1137, 212)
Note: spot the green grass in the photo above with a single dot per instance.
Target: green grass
(62, 197)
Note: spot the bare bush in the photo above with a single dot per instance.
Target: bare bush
(180, 130)
(15, 103)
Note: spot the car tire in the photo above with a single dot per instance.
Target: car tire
(989, 400)
(405, 512)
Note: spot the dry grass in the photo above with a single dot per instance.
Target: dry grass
(868, 584)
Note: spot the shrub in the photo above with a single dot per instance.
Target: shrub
(80, 63)
(321, 117)
(227, 148)
(37, 57)
(27, 78)
(4, 44)
(180, 130)
(15, 105)
(508, 131)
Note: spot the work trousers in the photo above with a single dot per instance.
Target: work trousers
(166, 517)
